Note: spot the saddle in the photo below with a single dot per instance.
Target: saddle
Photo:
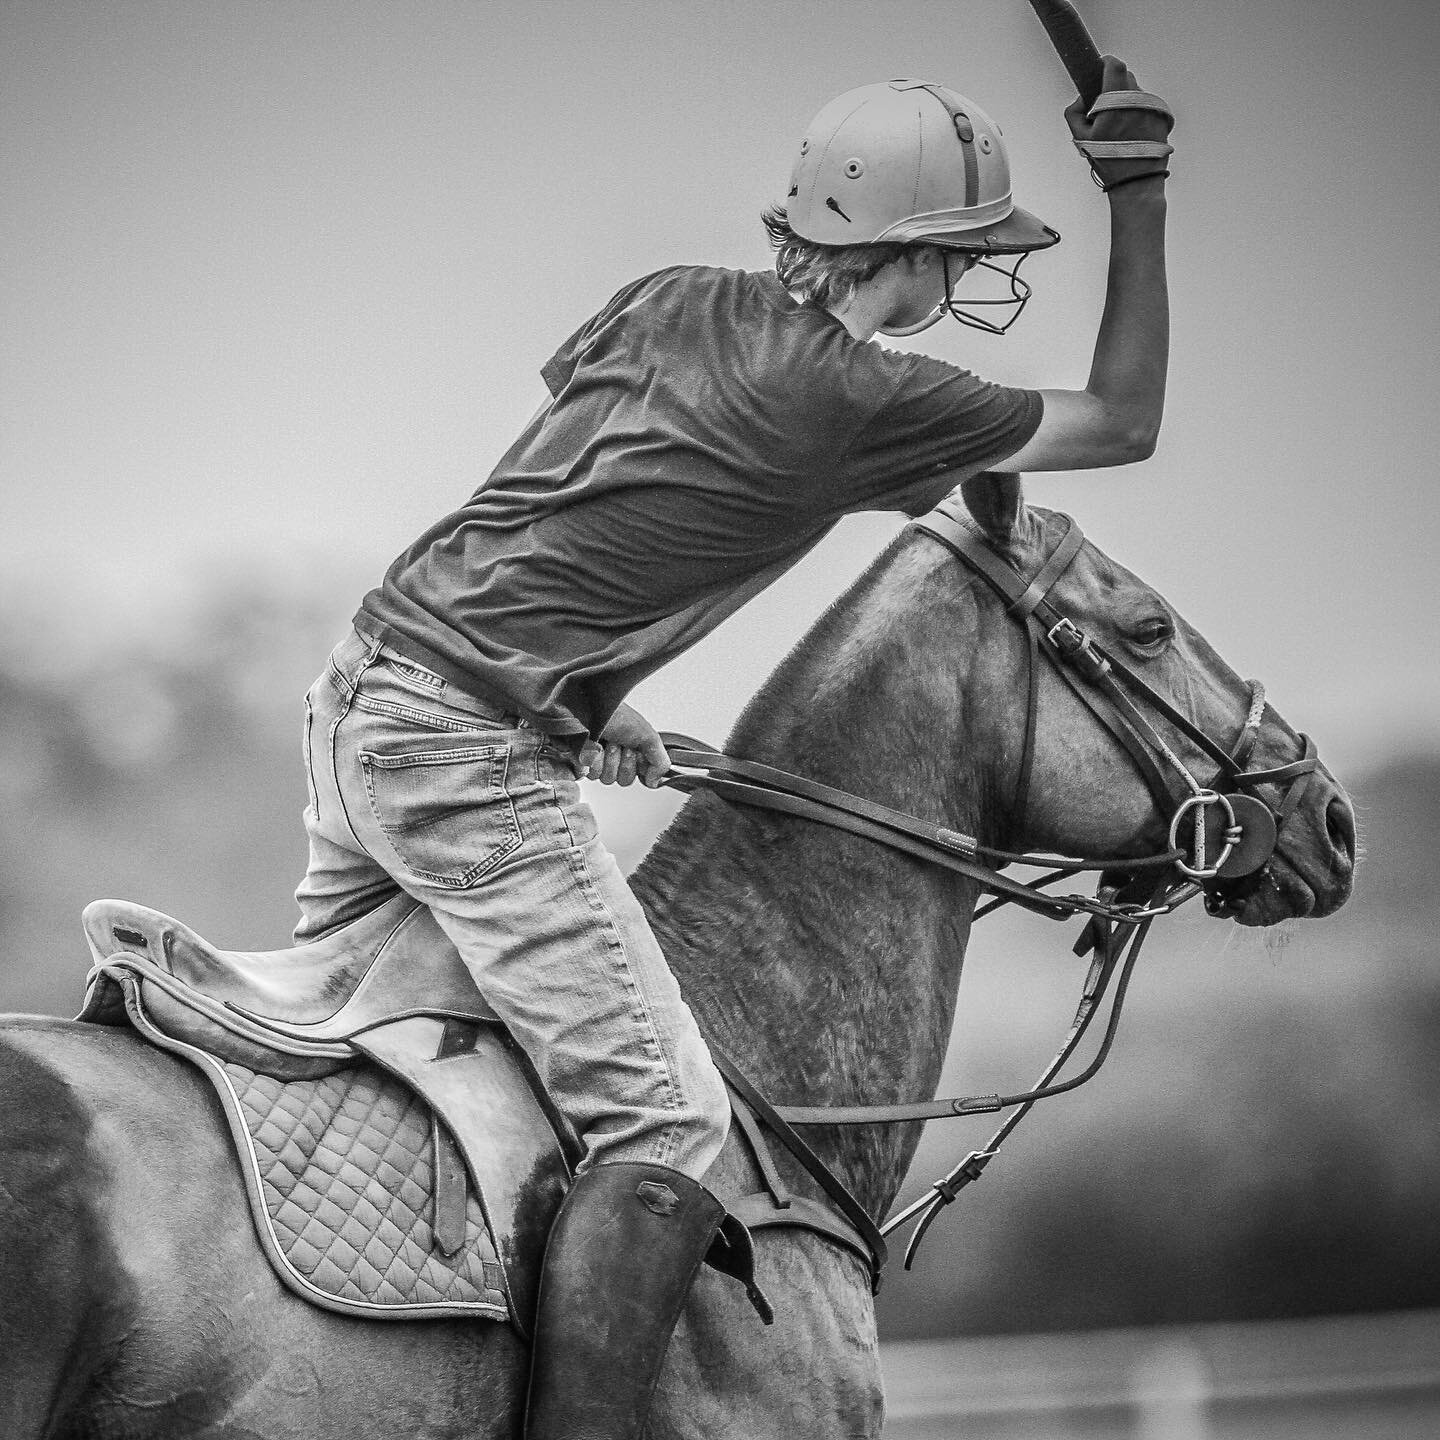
(400, 1160)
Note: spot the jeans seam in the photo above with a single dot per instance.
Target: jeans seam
(314, 789)
(430, 684)
(426, 717)
(670, 1139)
(350, 692)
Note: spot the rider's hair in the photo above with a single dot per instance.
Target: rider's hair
(825, 274)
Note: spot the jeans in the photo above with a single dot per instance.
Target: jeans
(416, 786)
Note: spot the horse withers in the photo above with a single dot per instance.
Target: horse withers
(134, 1299)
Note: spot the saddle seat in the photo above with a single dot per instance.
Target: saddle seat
(391, 963)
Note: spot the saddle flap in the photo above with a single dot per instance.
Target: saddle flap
(482, 1093)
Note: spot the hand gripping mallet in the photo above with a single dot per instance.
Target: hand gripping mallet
(1081, 58)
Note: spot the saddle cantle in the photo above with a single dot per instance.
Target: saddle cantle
(399, 1160)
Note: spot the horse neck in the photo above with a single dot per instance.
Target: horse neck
(828, 965)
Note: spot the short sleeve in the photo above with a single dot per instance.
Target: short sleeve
(559, 369)
(939, 424)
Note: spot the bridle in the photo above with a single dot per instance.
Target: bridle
(1231, 835)
(1221, 812)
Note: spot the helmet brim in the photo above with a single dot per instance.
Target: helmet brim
(1017, 233)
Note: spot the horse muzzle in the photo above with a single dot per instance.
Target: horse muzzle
(1311, 870)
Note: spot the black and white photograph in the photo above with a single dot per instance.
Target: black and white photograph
(643, 640)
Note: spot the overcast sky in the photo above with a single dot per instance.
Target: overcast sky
(276, 281)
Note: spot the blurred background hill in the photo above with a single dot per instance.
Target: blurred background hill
(1264, 1142)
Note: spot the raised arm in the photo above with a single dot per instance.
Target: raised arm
(1115, 419)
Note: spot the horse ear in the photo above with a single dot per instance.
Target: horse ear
(994, 499)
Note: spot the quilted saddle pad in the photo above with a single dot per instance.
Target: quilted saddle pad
(341, 1177)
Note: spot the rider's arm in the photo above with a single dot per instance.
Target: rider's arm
(1115, 419)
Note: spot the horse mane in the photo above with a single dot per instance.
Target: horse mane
(828, 649)
(827, 965)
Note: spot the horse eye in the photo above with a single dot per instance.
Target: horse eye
(1151, 633)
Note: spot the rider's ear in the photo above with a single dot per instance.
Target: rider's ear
(994, 499)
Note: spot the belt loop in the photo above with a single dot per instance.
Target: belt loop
(372, 649)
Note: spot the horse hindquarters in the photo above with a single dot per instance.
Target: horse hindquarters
(109, 1283)
(154, 1311)
(48, 1183)
(134, 1298)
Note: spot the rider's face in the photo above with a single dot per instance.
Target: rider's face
(925, 272)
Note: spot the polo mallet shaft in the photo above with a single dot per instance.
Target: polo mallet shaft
(1078, 52)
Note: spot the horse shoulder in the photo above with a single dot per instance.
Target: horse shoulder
(813, 1374)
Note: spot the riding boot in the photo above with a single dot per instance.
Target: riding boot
(622, 1256)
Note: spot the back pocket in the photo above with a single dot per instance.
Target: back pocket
(446, 812)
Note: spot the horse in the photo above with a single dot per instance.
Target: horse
(134, 1299)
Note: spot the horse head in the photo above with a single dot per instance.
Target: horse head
(1091, 783)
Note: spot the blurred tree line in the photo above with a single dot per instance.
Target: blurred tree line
(1264, 1142)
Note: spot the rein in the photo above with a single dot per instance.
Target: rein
(1232, 835)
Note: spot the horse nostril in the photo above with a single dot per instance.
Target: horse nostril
(1340, 826)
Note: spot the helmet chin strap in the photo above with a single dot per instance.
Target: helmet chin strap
(899, 330)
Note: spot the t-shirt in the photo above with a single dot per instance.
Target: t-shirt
(705, 431)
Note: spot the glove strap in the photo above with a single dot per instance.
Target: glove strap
(1133, 179)
(1130, 100)
(1124, 149)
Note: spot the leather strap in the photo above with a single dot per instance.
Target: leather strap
(1061, 558)
(450, 1189)
(692, 752)
(828, 1181)
(794, 795)
(759, 1212)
